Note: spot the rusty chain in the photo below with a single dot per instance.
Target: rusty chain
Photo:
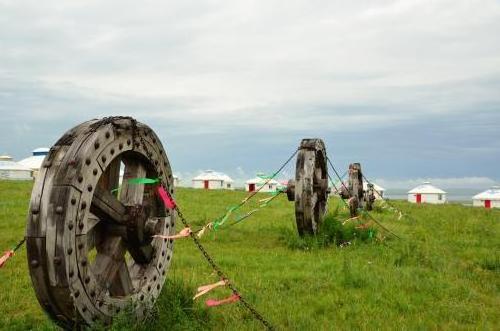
(211, 262)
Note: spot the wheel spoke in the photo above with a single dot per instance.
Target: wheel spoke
(122, 282)
(132, 194)
(107, 207)
(110, 257)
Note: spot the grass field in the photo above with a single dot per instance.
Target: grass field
(443, 274)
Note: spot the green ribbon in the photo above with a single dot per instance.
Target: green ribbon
(143, 180)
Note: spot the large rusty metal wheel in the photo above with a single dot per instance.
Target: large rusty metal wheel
(90, 247)
(309, 189)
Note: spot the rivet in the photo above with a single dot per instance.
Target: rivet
(155, 278)
(129, 142)
(84, 205)
(80, 246)
(34, 211)
(57, 260)
(107, 134)
(87, 280)
(120, 146)
(87, 161)
(154, 140)
(94, 172)
(80, 178)
(160, 265)
(112, 151)
(34, 263)
(158, 287)
(92, 293)
(96, 145)
(71, 273)
(84, 309)
(81, 225)
(149, 288)
(70, 250)
(89, 188)
(168, 258)
(70, 225)
(84, 262)
(103, 158)
(59, 209)
(77, 294)
(73, 201)
(142, 297)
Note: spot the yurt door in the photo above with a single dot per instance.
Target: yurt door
(251, 187)
(487, 204)
(205, 183)
(419, 198)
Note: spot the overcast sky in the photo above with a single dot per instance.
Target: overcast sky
(409, 88)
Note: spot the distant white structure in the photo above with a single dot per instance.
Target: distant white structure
(487, 199)
(11, 170)
(427, 193)
(176, 180)
(379, 194)
(256, 183)
(34, 162)
(213, 180)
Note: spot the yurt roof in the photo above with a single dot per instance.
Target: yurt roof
(33, 162)
(213, 175)
(375, 186)
(6, 158)
(491, 194)
(41, 150)
(261, 181)
(11, 165)
(426, 188)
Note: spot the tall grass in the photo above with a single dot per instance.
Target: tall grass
(443, 273)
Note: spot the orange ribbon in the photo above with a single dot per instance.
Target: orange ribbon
(7, 255)
(202, 290)
(182, 234)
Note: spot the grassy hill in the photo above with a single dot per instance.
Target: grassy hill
(443, 274)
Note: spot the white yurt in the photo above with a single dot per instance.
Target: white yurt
(213, 180)
(487, 199)
(258, 182)
(176, 180)
(11, 170)
(379, 194)
(427, 193)
(34, 162)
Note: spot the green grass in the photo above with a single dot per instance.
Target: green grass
(443, 274)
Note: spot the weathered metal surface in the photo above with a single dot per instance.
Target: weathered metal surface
(354, 189)
(369, 197)
(90, 251)
(309, 190)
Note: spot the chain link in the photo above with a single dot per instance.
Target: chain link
(215, 267)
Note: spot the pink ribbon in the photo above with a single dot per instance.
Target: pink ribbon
(182, 234)
(7, 255)
(167, 200)
(214, 303)
(202, 290)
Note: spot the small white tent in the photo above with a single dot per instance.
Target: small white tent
(379, 190)
(11, 170)
(34, 162)
(213, 180)
(176, 180)
(427, 193)
(256, 183)
(487, 199)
